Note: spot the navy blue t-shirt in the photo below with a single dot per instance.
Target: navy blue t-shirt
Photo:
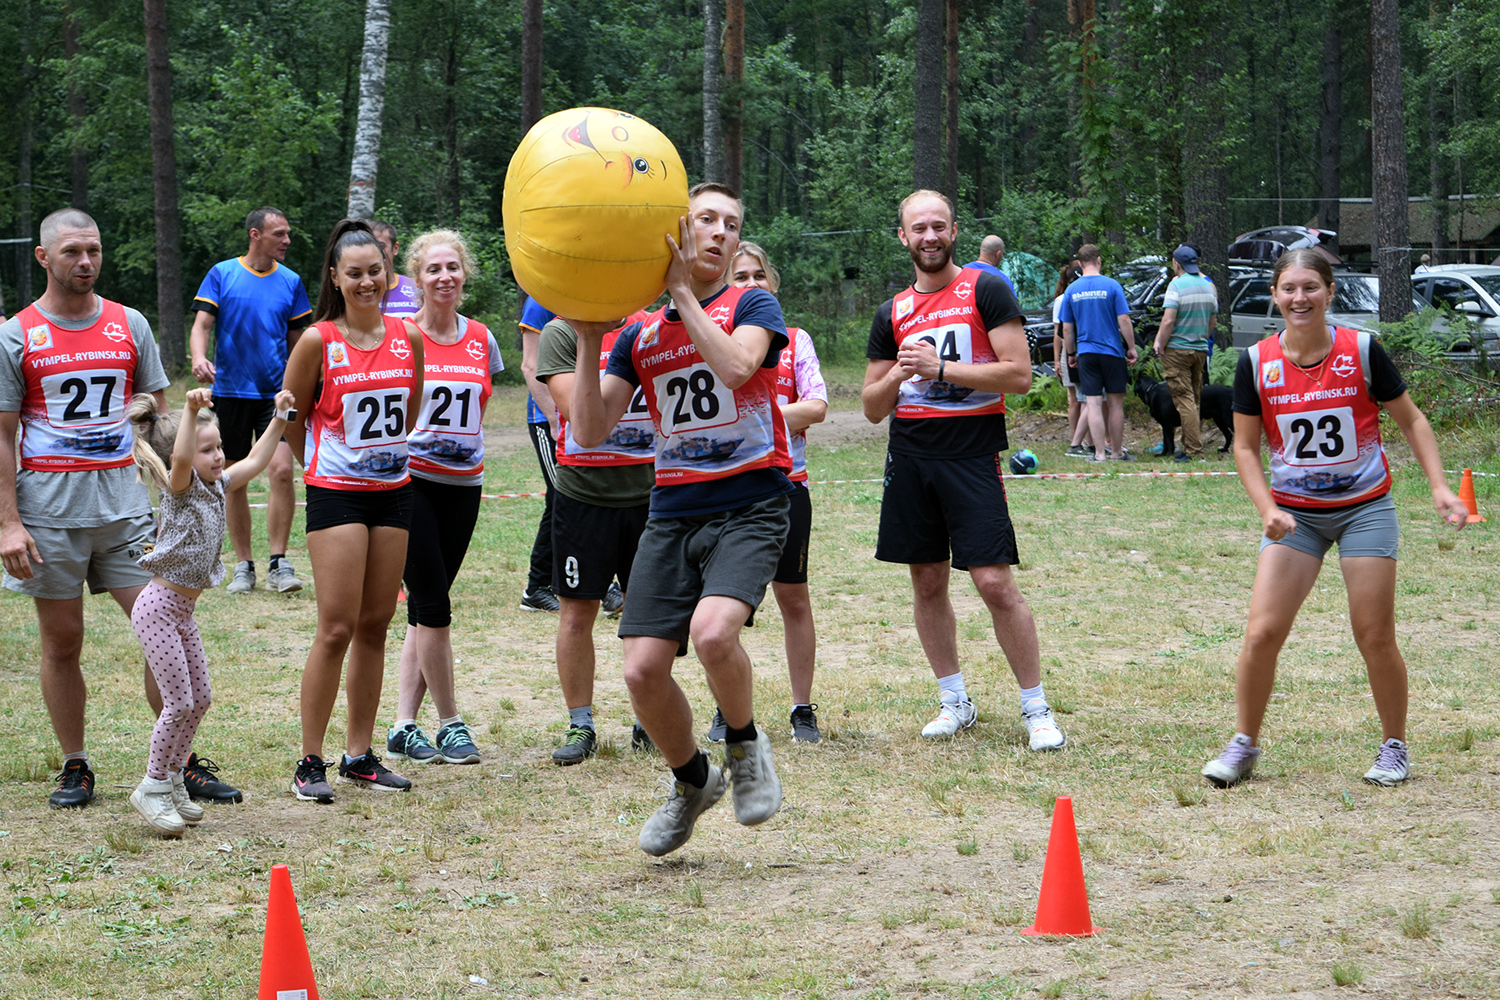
(756, 307)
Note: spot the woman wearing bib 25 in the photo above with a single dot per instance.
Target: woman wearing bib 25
(1316, 392)
(353, 452)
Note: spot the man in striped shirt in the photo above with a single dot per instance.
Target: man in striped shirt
(1182, 342)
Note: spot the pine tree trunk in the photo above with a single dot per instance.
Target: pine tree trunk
(713, 90)
(927, 123)
(450, 86)
(366, 161)
(77, 112)
(532, 69)
(1437, 134)
(170, 331)
(734, 85)
(1205, 172)
(1330, 150)
(950, 156)
(1388, 136)
(25, 228)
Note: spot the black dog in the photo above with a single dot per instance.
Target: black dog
(1216, 404)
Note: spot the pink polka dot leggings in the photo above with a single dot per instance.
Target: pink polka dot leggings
(163, 623)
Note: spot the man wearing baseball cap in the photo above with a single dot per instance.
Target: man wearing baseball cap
(1187, 327)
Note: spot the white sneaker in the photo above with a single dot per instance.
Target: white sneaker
(952, 716)
(153, 800)
(752, 773)
(244, 579)
(1392, 765)
(672, 824)
(1043, 730)
(190, 811)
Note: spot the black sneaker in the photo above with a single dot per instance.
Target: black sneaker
(805, 724)
(366, 770)
(410, 743)
(718, 729)
(310, 783)
(203, 786)
(614, 601)
(539, 599)
(456, 743)
(75, 786)
(579, 744)
(641, 740)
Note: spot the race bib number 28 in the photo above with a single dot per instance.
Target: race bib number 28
(1318, 437)
(692, 399)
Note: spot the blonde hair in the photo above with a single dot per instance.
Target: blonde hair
(156, 433)
(418, 249)
(748, 249)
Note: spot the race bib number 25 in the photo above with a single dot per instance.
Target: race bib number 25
(375, 417)
(1318, 437)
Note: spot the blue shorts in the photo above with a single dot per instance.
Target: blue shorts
(1099, 374)
(1365, 529)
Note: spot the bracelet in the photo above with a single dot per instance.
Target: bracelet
(941, 363)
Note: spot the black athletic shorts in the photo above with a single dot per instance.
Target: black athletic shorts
(681, 560)
(1102, 374)
(793, 565)
(932, 503)
(241, 423)
(591, 545)
(327, 508)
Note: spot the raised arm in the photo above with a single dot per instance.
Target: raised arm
(734, 358)
(185, 444)
(254, 463)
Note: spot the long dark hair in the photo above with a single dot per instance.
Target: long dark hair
(348, 233)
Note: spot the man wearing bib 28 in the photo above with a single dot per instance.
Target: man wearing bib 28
(942, 355)
(1317, 393)
(719, 511)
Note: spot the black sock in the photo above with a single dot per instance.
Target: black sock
(694, 772)
(277, 557)
(746, 735)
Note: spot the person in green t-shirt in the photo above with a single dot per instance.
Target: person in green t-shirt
(1182, 343)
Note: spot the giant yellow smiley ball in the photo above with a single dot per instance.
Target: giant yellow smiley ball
(590, 196)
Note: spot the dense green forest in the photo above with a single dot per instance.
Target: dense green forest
(1113, 119)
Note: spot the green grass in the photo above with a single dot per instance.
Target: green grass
(897, 867)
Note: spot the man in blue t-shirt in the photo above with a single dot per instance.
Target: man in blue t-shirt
(541, 424)
(991, 253)
(1096, 326)
(255, 309)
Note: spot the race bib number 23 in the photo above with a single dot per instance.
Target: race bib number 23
(1318, 437)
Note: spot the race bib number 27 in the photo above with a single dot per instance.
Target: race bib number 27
(82, 398)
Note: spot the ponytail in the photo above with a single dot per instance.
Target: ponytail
(155, 435)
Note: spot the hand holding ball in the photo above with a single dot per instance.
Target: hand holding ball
(589, 197)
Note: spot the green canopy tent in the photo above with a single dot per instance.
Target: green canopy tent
(1033, 278)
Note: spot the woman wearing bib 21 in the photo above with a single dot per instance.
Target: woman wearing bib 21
(447, 467)
(353, 452)
(1317, 391)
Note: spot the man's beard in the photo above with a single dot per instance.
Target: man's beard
(947, 257)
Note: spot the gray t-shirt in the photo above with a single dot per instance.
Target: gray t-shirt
(601, 485)
(78, 499)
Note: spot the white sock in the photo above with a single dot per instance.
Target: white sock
(954, 683)
(1033, 700)
(403, 723)
(451, 721)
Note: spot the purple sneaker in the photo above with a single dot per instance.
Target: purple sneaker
(1233, 765)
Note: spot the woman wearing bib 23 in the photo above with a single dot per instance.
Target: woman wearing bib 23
(1317, 392)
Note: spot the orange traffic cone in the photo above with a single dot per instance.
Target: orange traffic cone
(1466, 494)
(1062, 910)
(285, 968)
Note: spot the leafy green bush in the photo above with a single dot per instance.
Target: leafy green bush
(1047, 395)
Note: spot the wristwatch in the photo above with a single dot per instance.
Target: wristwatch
(290, 416)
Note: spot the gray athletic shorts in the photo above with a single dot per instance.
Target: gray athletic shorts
(1366, 529)
(681, 560)
(104, 557)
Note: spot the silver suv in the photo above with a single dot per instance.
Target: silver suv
(1470, 290)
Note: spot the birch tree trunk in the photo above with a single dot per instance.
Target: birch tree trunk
(927, 123)
(170, 332)
(366, 160)
(1388, 132)
(713, 89)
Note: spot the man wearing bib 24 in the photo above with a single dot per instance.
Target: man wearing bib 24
(942, 355)
(1317, 392)
(719, 511)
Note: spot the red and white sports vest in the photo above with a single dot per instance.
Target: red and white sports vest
(786, 394)
(78, 385)
(704, 429)
(1324, 431)
(949, 320)
(449, 436)
(358, 427)
(633, 440)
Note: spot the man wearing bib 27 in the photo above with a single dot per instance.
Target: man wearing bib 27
(942, 355)
(76, 512)
(719, 511)
(1317, 392)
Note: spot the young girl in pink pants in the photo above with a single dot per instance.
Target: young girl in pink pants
(183, 454)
